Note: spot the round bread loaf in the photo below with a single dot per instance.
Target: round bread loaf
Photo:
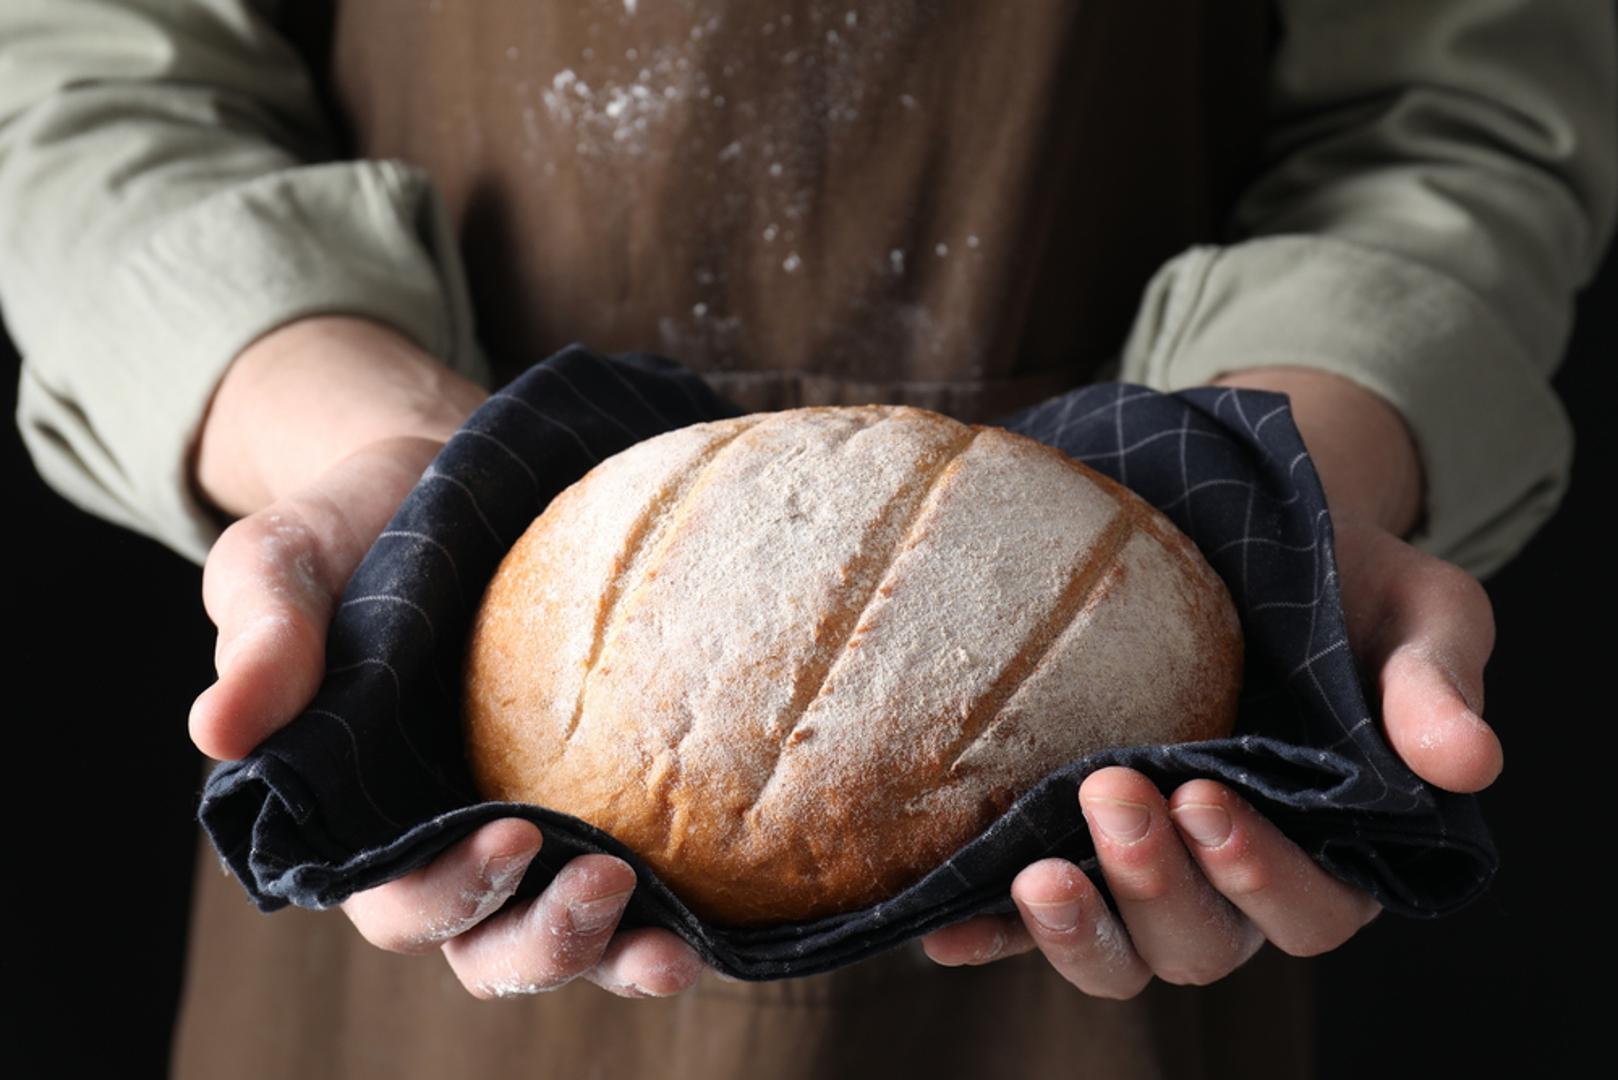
(796, 660)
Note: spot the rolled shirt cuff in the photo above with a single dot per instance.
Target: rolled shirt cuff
(368, 239)
(1494, 440)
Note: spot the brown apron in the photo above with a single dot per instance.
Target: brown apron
(946, 204)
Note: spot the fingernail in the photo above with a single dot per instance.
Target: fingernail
(593, 916)
(636, 990)
(507, 869)
(996, 947)
(1470, 701)
(1471, 719)
(263, 630)
(1060, 917)
(1205, 823)
(1122, 822)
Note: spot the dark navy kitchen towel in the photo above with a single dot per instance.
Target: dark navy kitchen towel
(369, 782)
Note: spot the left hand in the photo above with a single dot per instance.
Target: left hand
(1202, 880)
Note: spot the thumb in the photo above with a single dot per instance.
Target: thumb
(272, 581)
(1422, 630)
(1431, 726)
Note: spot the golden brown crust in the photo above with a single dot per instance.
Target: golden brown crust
(796, 660)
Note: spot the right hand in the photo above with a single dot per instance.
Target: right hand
(314, 437)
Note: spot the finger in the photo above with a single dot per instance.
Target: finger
(978, 940)
(265, 587)
(1430, 725)
(271, 583)
(647, 962)
(456, 891)
(1425, 628)
(548, 941)
(1182, 928)
(1293, 902)
(1069, 922)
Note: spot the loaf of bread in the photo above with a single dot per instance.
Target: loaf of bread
(795, 660)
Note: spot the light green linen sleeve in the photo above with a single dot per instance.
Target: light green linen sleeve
(1440, 179)
(165, 200)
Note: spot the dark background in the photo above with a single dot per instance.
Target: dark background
(112, 645)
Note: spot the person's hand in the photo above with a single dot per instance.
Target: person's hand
(1201, 880)
(313, 439)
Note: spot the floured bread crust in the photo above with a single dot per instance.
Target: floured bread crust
(795, 660)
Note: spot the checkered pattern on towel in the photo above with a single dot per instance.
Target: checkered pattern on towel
(369, 783)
